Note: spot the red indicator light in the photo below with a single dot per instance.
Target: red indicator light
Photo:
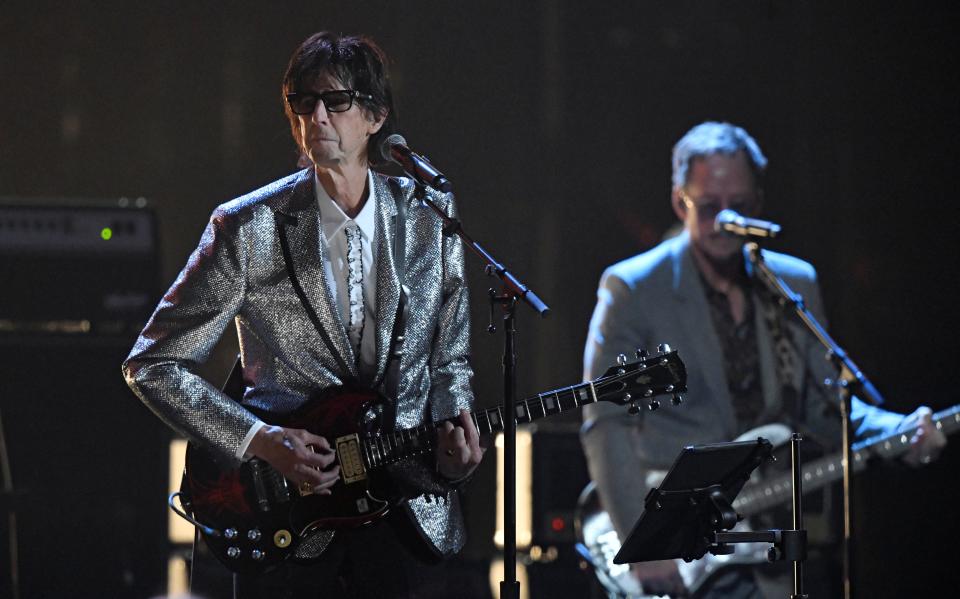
(557, 524)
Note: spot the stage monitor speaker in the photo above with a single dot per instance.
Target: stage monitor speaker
(87, 459)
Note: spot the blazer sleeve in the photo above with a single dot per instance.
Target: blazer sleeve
(450, 369)
(180, 334)
(609, 432)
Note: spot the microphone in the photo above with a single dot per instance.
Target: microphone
(731, 222)
(394, 148)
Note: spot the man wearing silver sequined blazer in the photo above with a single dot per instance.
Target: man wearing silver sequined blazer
(324, 320)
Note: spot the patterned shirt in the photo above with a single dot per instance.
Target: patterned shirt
(741, 358)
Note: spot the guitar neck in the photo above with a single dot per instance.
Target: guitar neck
(525, 411)
(624, 384)
(389, 447)
(758, 497)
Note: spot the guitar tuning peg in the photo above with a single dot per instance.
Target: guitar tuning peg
(677, 399)
(642, 353)
(621, 360)
(663, 348)
(653, 405)
(633, 410)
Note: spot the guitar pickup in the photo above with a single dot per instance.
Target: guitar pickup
(351, 459)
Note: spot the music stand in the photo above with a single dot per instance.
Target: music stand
(691, 512)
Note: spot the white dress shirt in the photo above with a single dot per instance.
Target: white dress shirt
(336, 270)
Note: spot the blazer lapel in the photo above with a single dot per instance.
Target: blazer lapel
(388, 287)
(692, 305)
(307, 252)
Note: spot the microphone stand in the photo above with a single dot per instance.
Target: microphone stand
(513, 291)
(851, 381)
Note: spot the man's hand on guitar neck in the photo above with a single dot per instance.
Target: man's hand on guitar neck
(659, 578)
(927, 442)
(458, 450)
(300, 456)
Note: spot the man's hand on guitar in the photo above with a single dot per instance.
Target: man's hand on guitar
(458, 449)
(301, 456)
(927, 442)
(659, 578)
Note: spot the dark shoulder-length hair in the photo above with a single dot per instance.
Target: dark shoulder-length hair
(358, 63)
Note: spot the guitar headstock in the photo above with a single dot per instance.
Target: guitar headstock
(650, 376)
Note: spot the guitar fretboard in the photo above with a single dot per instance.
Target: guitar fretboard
(526, 411)
(655, 375)
(390, 447)
(757, 497)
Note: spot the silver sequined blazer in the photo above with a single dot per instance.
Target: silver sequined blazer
(238, 274)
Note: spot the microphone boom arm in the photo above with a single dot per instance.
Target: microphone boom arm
(512, 284)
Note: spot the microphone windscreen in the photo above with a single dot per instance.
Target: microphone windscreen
(389, 142)
(726, 217)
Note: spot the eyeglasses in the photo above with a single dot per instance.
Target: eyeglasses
(709, 209)
(336, 100)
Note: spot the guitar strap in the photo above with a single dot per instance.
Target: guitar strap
(785, 357)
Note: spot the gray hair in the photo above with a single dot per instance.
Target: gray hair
(715, 138)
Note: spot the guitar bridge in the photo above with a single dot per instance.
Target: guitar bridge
(351, 460)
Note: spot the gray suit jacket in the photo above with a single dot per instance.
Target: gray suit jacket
(658, 297)
(238, 274)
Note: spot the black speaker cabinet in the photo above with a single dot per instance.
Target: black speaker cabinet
(559, 474)
(88, 461)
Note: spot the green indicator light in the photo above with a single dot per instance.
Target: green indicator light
(106, 233)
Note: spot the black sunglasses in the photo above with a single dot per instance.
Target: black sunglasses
(336, 100)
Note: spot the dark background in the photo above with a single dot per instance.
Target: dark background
(555, 121)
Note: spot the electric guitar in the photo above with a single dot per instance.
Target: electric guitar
(252, 517)
(599, 542)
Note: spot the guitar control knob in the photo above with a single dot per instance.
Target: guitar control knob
(230, 533)
(257, 555)
(282, 538)
(642, 353)
(653, 405)
(253, 534)
(233, 552)
(677, 399)
(621, 359)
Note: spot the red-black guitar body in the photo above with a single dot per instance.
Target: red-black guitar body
(260, 516)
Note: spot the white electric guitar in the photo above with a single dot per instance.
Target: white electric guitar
(599, 542)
